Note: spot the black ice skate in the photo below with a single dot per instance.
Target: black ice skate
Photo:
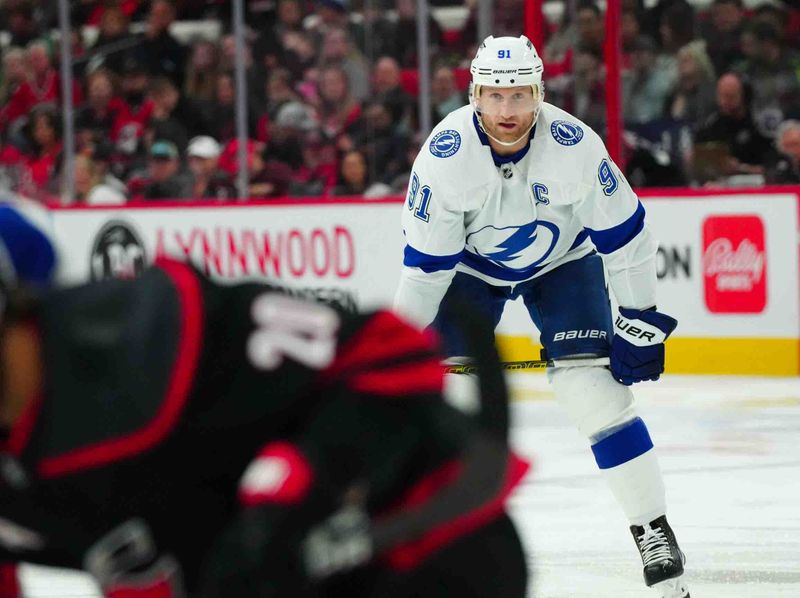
(661, 557)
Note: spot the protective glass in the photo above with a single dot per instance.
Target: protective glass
(507, 102)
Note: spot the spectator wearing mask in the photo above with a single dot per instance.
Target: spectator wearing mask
(692, 99)
(644, 88)
(164, 179)
(90, 188)
(732, 126)
(129, 129)
(784, 167)
(722, 33)
(209, 182)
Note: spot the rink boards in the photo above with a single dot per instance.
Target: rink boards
(727, 263)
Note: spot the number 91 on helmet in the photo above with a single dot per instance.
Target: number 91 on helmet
(506, 91)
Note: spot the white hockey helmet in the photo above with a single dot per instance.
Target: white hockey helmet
(507, 62)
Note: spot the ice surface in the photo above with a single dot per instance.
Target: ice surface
(730, 451)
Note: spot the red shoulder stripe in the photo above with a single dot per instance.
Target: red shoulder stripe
(409, 555)
(411, 378)
(384, 336)
(180, 384)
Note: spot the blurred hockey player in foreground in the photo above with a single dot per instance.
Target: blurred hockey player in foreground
(512, 197)
(178, 438)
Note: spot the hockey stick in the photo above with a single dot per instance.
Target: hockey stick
(533, 364)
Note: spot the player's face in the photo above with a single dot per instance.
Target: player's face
(507, 112)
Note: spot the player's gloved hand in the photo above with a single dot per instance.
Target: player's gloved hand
(637, 350)
(339, 543)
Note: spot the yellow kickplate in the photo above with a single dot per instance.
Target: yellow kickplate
(734, 356)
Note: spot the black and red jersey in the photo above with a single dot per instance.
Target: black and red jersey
(161, 392)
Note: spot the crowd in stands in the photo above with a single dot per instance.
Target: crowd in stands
(708, 95)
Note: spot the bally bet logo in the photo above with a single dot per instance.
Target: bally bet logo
(734, 264)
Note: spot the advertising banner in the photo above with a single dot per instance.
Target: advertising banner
(347, 252)
(727, 264)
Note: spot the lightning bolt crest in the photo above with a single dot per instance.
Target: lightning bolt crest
(522, 238)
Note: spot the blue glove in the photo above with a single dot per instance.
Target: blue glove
(637, 350)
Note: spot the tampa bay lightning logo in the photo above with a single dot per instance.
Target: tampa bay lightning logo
(445, 143)
(515, 247)
(566, 133)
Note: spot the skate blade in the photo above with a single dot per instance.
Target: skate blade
(672, 588)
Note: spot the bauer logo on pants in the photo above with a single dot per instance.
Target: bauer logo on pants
(734, 264)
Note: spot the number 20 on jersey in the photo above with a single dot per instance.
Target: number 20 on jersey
(424, 193)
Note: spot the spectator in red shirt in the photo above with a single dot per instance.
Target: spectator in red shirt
(318, 171)
(128, 130)
(44, 126)
(42, 85)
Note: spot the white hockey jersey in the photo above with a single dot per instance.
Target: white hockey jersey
(508, 219)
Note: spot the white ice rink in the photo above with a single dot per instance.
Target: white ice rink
(730, 451)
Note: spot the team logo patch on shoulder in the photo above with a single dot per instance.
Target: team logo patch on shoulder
(445, 143)
(566, 133)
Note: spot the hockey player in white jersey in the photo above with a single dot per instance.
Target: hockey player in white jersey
(512, 197)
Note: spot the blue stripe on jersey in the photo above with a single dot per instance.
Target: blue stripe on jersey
(623, 445)
(489, 268)
(429, 263)
(613, 238)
